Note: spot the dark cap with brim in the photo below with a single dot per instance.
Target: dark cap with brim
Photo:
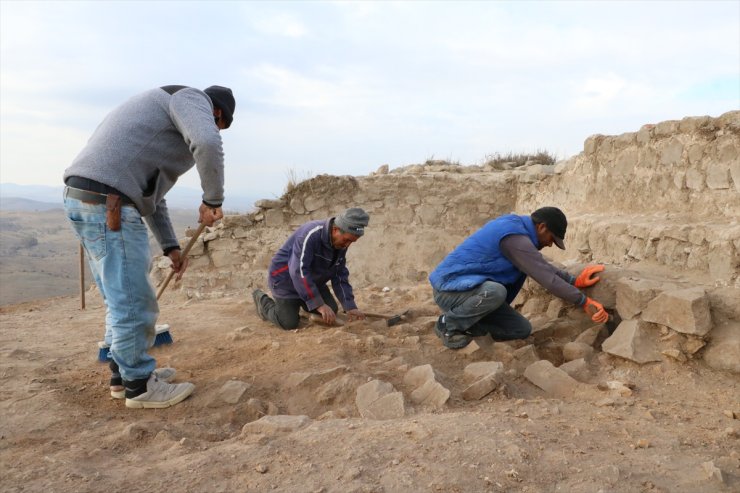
(555, 221)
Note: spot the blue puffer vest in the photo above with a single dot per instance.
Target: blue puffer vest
(479, 259)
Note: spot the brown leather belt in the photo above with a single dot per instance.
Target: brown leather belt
(112, 201)
(88, 185)
(85, 195)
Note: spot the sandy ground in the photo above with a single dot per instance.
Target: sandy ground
(61, 432)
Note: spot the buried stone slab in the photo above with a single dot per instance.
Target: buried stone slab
(579, 369)
(252, 410)
(308, 379)
(472, 349)
(577, 350)
(501, 352)
(419, 375)
(482, 387)
(723, 352)
(474, 371)
(339, 390)
(431, 393)
(280, 423)
(634, 340)
(232, 391)
(593, 335)
(427, 391)
(524, 356)
(553, 381)
(683, 310)
(379, 400)
(486, 377)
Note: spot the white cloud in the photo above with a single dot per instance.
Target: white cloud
(293, 89)
(343, 87)
(598, 93)
(281, 25)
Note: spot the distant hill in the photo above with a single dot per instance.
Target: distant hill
(43, 198)
(39, 253)
(21, 204)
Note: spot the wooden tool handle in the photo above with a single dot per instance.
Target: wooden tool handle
(315, 317)
(184, 254)
(377, 315)
(82, 277)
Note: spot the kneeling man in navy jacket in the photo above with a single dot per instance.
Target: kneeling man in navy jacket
(314, 255)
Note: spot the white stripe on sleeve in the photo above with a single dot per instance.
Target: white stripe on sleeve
(305, 241)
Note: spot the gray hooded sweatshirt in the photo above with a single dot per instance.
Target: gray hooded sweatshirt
(142, 147)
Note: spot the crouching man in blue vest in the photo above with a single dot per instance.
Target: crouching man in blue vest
(475, 284)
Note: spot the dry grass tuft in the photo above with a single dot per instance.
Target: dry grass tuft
(295, 178)
(514, 160)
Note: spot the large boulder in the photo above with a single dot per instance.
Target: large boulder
(683, 310)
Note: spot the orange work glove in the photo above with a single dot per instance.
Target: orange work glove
(585, 280)
(596, 310)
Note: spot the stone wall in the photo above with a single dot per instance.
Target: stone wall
(667, 195)
(686, 168)
(416, 217)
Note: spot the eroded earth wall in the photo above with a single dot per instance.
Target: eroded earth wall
(667, 195)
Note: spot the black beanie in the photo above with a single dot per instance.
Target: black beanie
(223, 99)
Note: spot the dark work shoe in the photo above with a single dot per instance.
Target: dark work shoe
(257, 295)
(451, 339)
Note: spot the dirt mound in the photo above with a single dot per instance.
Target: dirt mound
(62, 432)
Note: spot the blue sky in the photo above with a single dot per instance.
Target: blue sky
(344, 87)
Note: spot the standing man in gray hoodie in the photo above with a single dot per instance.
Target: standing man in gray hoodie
(118, 182)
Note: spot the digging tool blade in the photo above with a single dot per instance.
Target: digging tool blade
(391, 320)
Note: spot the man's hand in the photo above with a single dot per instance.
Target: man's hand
(355, 315)
(596, 310)
(209, 215)
(179, 263)
(585, 280)
(327, 314)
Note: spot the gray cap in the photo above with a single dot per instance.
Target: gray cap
(353, 221)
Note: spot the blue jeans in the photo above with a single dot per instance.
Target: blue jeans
(119, 261)
(482, 310)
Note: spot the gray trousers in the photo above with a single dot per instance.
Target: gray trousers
(482, 310)
(285, 312)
